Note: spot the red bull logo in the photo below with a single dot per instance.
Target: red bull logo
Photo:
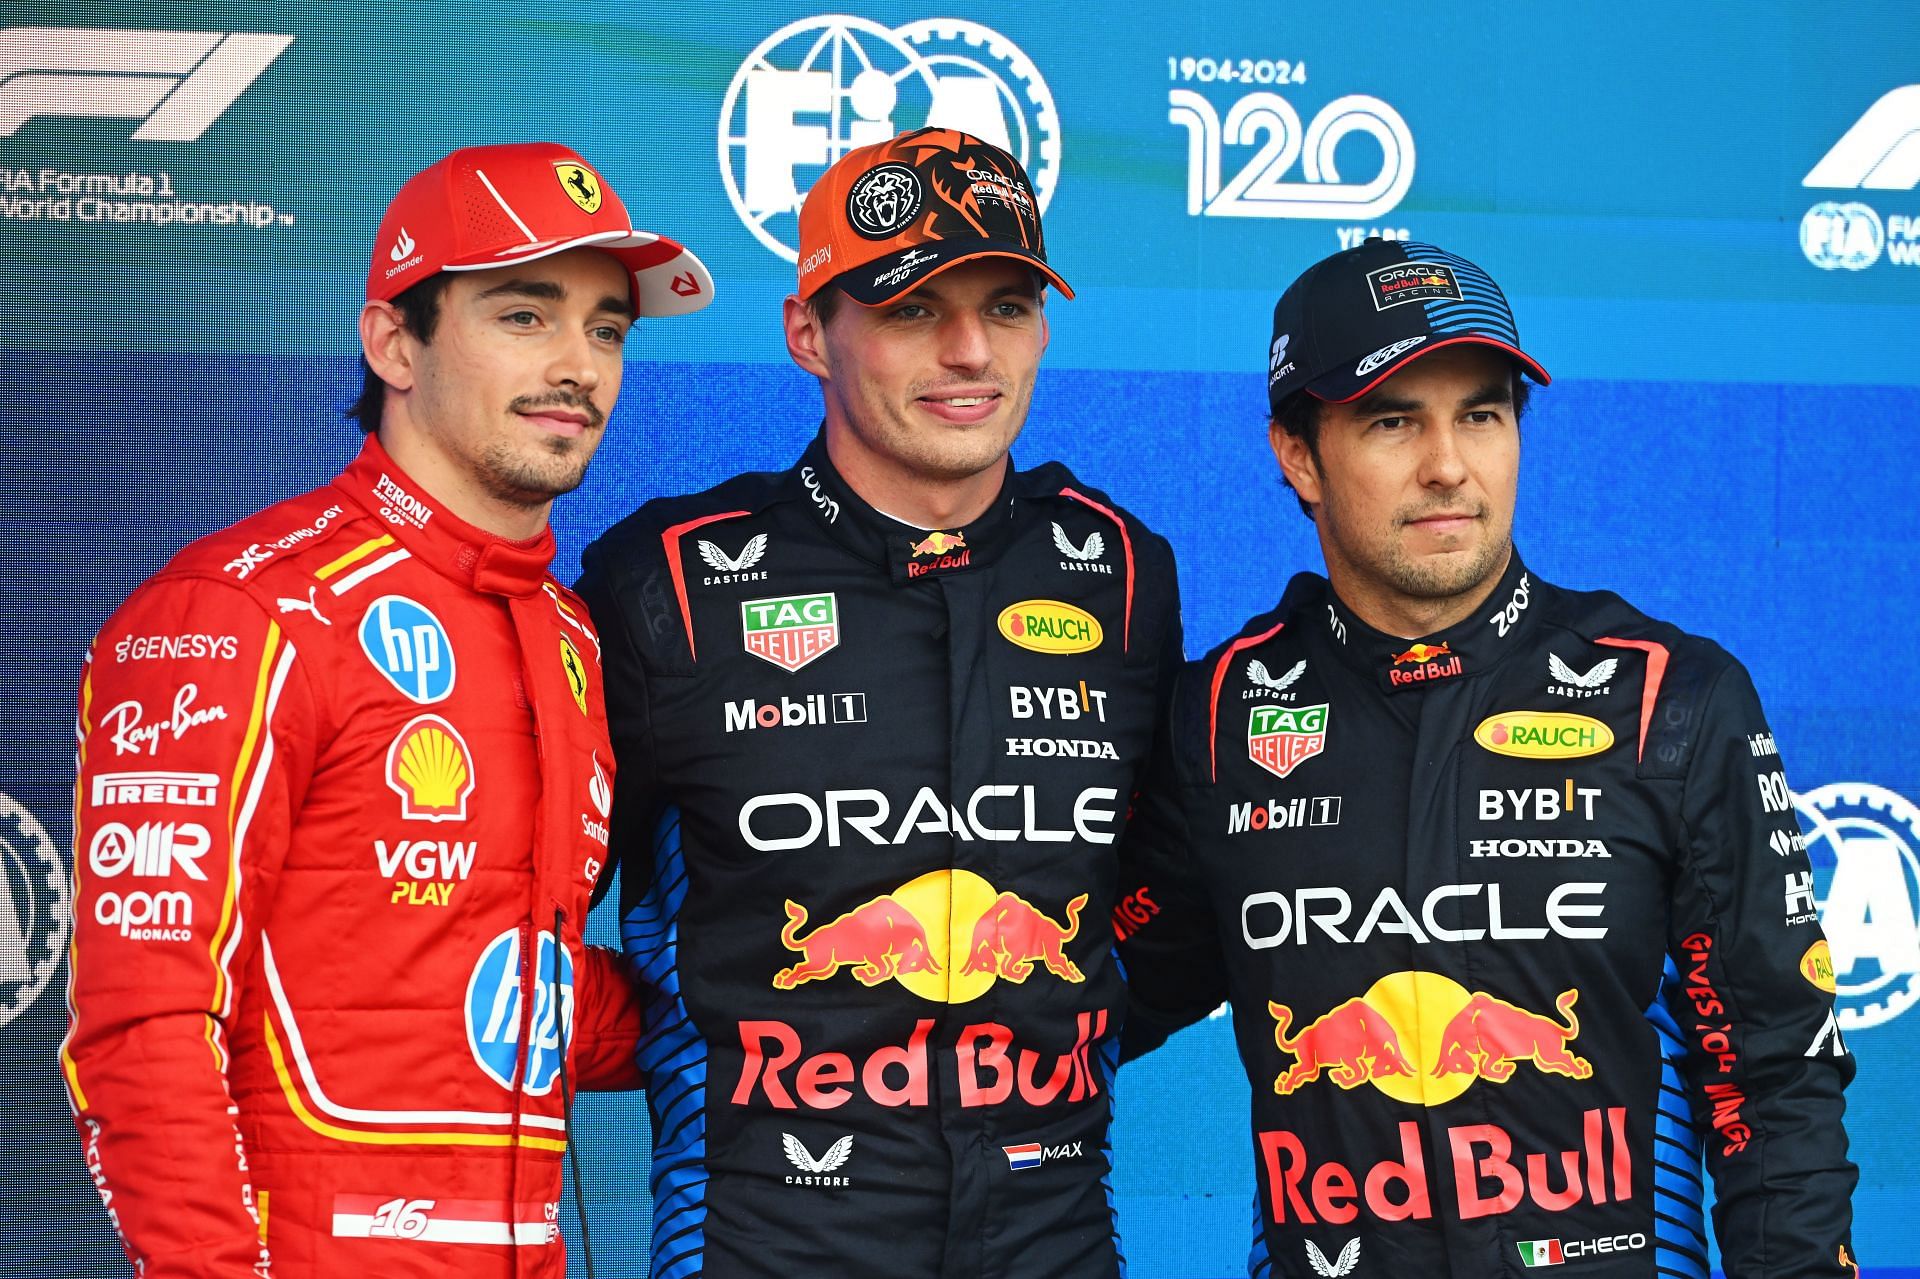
(1423, 1038)
(991, 1065)
(1489, 1177)
(938, 543)
(904, 936)
(1426, 663)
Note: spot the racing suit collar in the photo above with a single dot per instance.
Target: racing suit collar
(908, 553)
(430, 533)
(1478, 643)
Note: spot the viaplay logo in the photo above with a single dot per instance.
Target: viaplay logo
(822, 86)
(1864, 843)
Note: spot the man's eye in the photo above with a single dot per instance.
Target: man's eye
(911, 311)
(610, 333)
(523, 319)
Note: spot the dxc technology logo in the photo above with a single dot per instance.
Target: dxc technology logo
(820, 87)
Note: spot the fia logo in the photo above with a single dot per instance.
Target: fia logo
(822, 86)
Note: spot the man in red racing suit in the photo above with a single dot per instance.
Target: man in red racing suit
(343, 785)
(1503, 881)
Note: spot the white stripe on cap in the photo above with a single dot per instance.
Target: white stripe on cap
(502, 202)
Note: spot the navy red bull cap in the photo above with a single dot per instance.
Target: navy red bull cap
(889, 216)
(494, 206)
(1353, 320)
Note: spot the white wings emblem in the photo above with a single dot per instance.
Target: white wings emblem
(1595, 678)
(1343, 1264)
(797, 1155)
(1096, 545)
(749, 555)
(1257, 672)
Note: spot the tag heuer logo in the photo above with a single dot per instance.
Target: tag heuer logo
(1281, 738)
(790, 630)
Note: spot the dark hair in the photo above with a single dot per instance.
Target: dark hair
(826, 303)
(1299, 416)
(419, 313)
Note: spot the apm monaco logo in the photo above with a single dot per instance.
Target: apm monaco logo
(791, 630)
(176, 83)
(822, 86)
(1281, 738)
(1880, 151)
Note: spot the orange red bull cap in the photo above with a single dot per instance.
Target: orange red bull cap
(889, 216)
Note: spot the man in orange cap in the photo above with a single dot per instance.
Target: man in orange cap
(343, 769)
(883, 1002)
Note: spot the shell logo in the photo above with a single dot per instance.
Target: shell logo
(1049, 626)
(1543, 735)
(429, 767)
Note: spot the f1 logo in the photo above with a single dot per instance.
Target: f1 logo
(176, 83)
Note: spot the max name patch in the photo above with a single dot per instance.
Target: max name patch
(1412, 282)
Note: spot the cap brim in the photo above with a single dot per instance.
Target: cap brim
(886, 279)
(1342, 386)
(667, 278)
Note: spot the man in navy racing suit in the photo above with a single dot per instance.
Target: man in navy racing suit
(898, 697)
(1503, 881)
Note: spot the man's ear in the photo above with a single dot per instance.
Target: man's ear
(388, 346)
(806, 336)
(1296, 462)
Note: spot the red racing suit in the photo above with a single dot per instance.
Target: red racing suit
(343, 780)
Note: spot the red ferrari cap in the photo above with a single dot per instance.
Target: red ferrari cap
(484, 207)
(889, 216)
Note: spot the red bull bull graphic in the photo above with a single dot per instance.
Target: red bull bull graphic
(1488, 1036)
(879, 940)
(1012, 936)
(938, 543)
(1353, 1042)
(1489, 1177)
(1281, 738)
(1423, 1038)
(791, 630)
(911, 934)
(1421, 654)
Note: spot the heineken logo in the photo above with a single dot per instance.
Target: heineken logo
(790, 630)
(1281, 738)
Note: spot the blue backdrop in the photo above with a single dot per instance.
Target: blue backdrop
(1706, 220)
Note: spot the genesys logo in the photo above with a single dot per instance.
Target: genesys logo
(822, 86)
(1880, 151)
(176, 83)
(1261, 159)
(1864, 845)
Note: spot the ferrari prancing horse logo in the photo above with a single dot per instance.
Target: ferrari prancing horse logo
(581, 185)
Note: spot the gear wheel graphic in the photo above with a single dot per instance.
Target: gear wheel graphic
(1038, 144)
(35, 895)
(1834, 814)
